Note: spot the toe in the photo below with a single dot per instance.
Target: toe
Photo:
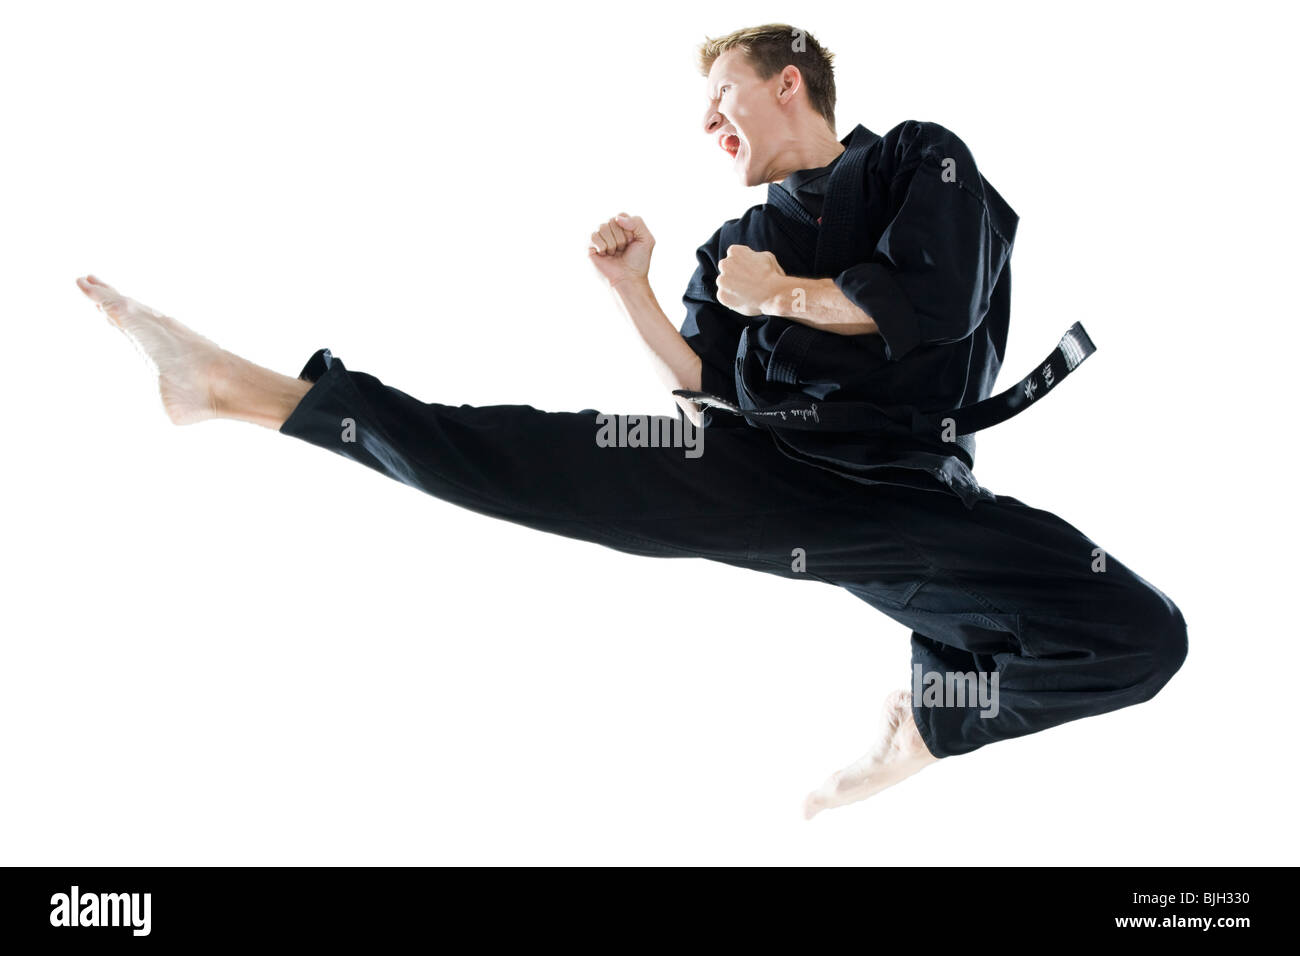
(812, 805)
(96, 290)
(98, 283)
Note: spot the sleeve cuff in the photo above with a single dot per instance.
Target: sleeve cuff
(872, 289)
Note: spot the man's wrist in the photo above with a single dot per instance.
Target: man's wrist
(631, 286)
(787, 296)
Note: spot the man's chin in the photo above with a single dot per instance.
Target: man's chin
(751, 175)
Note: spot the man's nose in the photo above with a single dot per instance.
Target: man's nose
(712, 120)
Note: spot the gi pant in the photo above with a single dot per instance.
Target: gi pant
(1001, 588)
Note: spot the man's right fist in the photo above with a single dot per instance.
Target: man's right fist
(620, 249)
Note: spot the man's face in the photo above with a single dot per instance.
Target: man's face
(744, 116)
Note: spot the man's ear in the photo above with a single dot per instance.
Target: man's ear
(791, 81)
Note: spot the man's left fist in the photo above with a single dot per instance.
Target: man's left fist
(748, 280)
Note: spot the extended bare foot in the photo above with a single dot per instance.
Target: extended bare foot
(187, 364)
(197, 379)
(899, 752)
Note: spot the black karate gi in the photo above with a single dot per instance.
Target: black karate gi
(914, 235)
(985, 583)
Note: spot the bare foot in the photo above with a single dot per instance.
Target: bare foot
(189, 366)
(899, 752)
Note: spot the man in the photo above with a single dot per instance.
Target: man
(840, 348)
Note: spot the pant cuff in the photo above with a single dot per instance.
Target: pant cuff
(320, 362)
(327, 374)
(925, 727)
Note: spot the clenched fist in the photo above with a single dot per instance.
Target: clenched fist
(620, 249)
(748, 279)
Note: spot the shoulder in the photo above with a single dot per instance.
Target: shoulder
(922, 137)
(918, 144)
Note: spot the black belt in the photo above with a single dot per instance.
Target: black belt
(804, 414)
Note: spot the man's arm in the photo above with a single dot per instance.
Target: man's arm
(753, 283)
(820, 304)
(675, 363)
(620, 250)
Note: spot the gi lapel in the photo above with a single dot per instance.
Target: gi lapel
(794, 221)
(843, 234)
(838, 243)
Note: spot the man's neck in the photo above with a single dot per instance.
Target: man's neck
(811, 149)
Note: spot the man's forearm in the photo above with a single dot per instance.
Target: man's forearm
(820, 304)
(675, 362)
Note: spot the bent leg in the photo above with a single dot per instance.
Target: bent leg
(1009, 589)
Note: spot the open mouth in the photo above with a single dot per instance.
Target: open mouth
(730, 144)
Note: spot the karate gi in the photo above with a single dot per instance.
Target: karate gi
(911, 232)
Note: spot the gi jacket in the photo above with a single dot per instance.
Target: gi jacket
(913, 234)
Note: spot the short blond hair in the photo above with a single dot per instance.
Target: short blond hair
(769, 49)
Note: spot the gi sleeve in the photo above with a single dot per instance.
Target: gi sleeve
(931, 275)
(711, 330)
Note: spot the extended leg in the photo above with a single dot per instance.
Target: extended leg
(545, 470)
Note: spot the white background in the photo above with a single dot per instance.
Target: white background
(225, 646)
